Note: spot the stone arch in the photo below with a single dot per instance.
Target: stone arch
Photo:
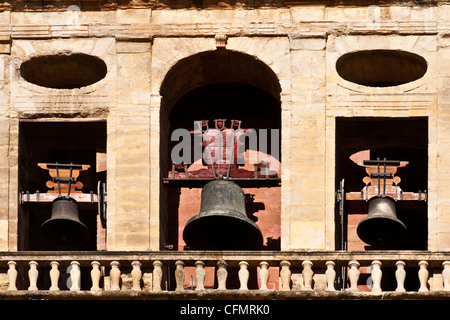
(210, 67)
(227, 66)
(219, 70)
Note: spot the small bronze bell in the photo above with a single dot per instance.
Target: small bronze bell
(381, 227)
(64, 229)
(222, 223)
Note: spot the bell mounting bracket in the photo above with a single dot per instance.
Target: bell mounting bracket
(223, 162)
(64, 184)
(381, 181)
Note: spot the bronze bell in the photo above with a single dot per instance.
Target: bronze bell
(64, 229)
(222, 223)
(381, 227)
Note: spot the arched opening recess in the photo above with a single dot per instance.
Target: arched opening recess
(219, 84)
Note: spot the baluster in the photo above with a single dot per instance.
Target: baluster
(446, 275)
(244, 275)
(307, 274)
(114, 276)
(222, 275)
(54, 276)
(33, 274)
(179, 275)
(157, 276)
(353, 275)
(200, 275)
(264, 275)
(400, 275)
(330, 275)
(95, 276)
(136, 275)
(423, 276)
(75, 274)
(285, 275)
(12, 276)
(376, 277)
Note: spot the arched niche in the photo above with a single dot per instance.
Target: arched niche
(220, 65)
(219, 84)
(381, 68)
(69, 71)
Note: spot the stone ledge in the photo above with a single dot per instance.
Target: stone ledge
(221, 295)
(435, 258)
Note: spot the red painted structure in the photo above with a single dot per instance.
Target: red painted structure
(260, 182)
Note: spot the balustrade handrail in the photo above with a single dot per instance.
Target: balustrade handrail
(134, 264)
(210, 258)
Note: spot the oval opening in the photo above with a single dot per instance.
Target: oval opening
(381, 68)
(63, 71)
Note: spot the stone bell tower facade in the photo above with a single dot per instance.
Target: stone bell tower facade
(352, 97)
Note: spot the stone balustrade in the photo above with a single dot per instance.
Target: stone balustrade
(309, 272)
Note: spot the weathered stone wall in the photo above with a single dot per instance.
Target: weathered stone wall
(299, 43)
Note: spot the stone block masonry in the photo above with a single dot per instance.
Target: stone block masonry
(299, 43)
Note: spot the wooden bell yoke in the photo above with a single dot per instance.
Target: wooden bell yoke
(382, 182)
(64, 184)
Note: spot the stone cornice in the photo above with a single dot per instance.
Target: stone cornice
(154, 22)
(104, 5)
(145, 32)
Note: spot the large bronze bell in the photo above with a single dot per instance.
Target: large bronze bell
(222, 223)
(381, 227)
(64, 229)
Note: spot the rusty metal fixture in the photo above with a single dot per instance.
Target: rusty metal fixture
(64, 228)
(222, 223)
(381, 227)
